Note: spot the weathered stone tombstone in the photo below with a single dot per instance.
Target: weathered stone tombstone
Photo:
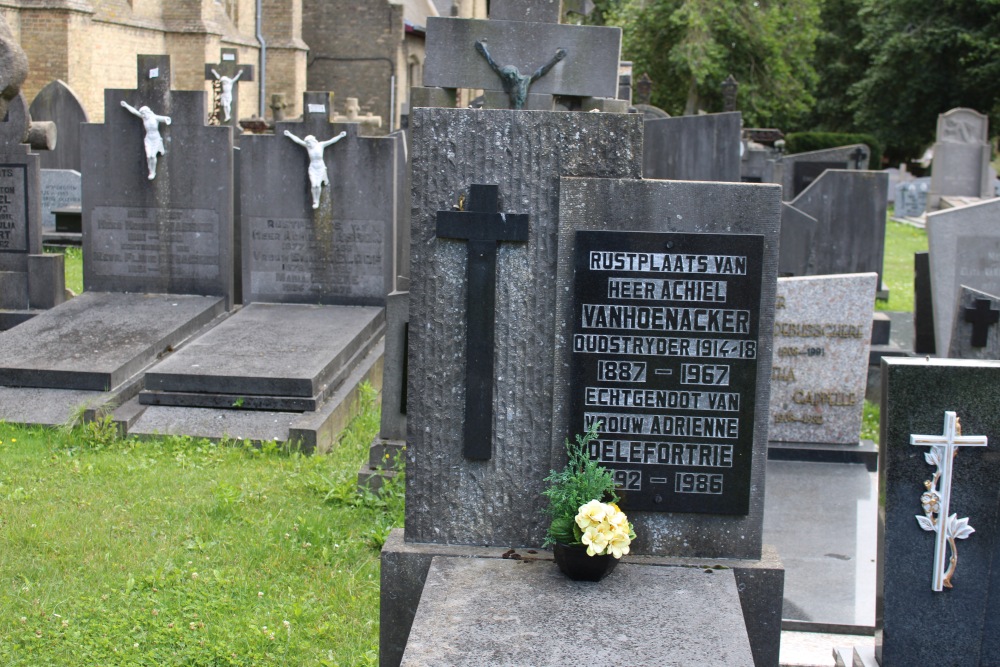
(693, 148)
(226, 75)
(58, 103)
(529, 412)
(157, 256)
(964, 248)
(319, 274)
(536, 60)
(911, 198)
(30, 281)
(961, 165)
(59, 188)
(937, 506)
(822, 335)
(976, 334)
(850, 210)
(797, 232)
(800, 170)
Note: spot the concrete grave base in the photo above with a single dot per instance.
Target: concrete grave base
(405, 568)
(99, 341)
(279, 357)
(485, 611)
(55, 407)
(313, 431)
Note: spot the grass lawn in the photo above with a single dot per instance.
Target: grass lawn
(901, 241)
(184, 552)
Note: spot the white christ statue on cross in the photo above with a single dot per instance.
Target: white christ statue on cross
(153, 141)
(317, 166)
(226, 97)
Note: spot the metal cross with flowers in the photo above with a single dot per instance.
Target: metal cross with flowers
(936, 500)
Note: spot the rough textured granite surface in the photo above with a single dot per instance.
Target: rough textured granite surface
(492, 612)
(822, 335)
(452, 500)
(693, 148)
(958, 625)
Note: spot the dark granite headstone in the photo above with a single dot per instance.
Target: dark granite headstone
(693, 148)
(58, 103)
(854, 156)
(977, 326)
(849, 207)
(169, 234)
(340, 253)
(226, 77)
(916, 624)
(923, 309)
(797, 232)
(805, 172)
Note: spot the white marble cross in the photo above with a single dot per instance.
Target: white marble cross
(937, 501)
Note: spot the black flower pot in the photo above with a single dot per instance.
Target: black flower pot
(574, 562)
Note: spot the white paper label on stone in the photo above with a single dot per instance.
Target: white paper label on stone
(228, 56)
(822, 337)
(154, 73)
(13, 208)
(317, 108)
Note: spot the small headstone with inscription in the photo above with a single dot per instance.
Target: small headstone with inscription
(939, 537)
(157, 253)
(964, 248)
(911, 198)
(961, 166)
(29, 280)
(693, 148)
(800, 170)
(60, 188)
(57, 102)
(822, 334)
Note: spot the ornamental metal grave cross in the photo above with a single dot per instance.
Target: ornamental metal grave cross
(936, 501)
(228, 72)
(981, 316)
(483, 227)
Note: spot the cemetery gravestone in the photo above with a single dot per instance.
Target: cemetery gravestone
(977, 326)
(850, 210)
(693, 148)
(964, 248)
(29, 279)
(911, 198)
(822, 334)
(58, 103)
(226, 76)
(800, 170)
(920, 619)
(961, 164)
(797, 232)
(60, 188)
(923, 308)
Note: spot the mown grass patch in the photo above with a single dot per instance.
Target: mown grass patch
(901, 241)
(185, 552)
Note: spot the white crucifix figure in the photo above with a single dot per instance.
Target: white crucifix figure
(153, 141)
(936, 500)
(317, 165)
(226, 98)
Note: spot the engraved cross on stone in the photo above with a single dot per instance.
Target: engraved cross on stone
(483, 227)
(981, 316)
(230, 73)
(943, 450)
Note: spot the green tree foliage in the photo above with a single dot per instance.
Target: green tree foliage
(688, 47)
(840, 63)
(928, 56)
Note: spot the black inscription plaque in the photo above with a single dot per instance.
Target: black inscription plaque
(665, 338)
(13, 208)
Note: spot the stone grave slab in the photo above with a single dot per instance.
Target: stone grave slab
(800, 170)
(964, 249)
(822, 334)
(919, 625)
(171, 233)
(241, 364)
(342, 252)
(850, 210)
(98, 341)
(57, 102)
(797, 231)
(495, 612)
(693, 148)
(961, 166)
(590, 68)
(47, 407)
(976, 334)
(61, 188)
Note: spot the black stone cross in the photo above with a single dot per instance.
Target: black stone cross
(858, 155)
(483, 227)
(228, 66)
(981, 316)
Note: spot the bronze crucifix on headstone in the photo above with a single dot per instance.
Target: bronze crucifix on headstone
(483, 227)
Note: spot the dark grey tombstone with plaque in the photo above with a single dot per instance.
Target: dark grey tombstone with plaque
(168, 234)
(693, 148)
